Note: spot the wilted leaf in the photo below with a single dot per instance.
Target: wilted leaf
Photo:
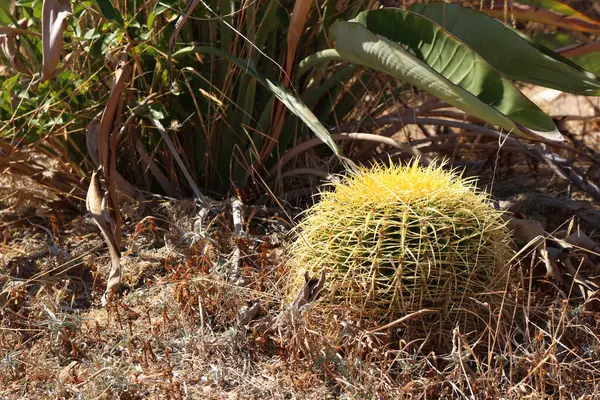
(295, 30)
(104, 205)
(310, 291)
(91, 141)
(17, 31)
(107, 139)
(96, 204)
(8, 46)
(586, 56)
(54, 14)
(580, 239)
(549, 257)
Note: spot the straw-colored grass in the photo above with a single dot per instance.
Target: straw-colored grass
(398, 240)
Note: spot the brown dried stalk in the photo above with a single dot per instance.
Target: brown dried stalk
(103, 204)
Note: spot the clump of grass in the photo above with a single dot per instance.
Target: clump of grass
(417, 244)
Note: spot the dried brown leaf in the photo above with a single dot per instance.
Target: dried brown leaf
(551, 267)
(104, 205)
(91, 141)
(54, 15)
(107, 141)
(11, 30)
(96, 204)
(310, 291)
(247, 314)
(8, 46)
(295, 30)
(579, 49)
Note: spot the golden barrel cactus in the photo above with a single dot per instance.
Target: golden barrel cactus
(396, 240)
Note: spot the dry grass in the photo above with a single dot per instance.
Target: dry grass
(182, 330)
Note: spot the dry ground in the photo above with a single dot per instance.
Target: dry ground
(193, 321)
(182, 329)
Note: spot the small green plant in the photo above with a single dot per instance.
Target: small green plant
(399, 240)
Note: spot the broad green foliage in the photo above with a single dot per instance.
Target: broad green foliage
(508, 51)
(412, 48)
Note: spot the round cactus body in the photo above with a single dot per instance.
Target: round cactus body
(397, 240)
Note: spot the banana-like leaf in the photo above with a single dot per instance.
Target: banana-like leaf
(412, 48)
(550, 12)
(512, 54)
(54, 15)
(287, 97)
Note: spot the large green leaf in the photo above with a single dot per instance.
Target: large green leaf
(506, 50)
(410, 47)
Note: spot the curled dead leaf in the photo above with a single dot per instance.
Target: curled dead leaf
(91, 141)
(310, 291)
(103, 205)
(96, 204)
(8, 47)
(54, 15)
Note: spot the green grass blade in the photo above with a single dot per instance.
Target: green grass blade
(288, 98)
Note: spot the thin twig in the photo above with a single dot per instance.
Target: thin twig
(309, 144)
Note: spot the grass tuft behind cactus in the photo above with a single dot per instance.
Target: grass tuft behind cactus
(395, 240)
